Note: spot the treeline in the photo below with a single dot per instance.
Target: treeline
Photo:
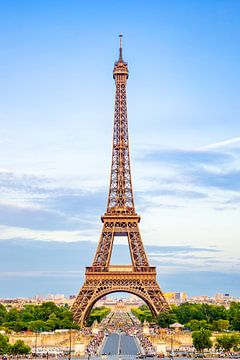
(142, 313)
(18, 348)
(195, 316)
(226, 342)
(45, 317)
(98, 314)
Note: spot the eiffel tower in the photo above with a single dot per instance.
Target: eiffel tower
(120, 219)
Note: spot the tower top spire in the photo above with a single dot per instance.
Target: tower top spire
(120, 66)
(120, 47)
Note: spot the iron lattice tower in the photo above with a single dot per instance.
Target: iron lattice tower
(120, 219)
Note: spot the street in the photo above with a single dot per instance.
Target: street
(120, 344)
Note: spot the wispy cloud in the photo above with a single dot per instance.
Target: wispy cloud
(38, 203)
(206, 174)
(41, 273)
(225, 144)
(42, 267)
(172, 185)
(8, 232)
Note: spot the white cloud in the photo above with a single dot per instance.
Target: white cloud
(7, 232)
(42, 273)
(199, 261)
(177, 192)
(226, 144)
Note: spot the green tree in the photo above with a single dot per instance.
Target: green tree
(3, 314)
(213, 312)
(220, 325)
(37, 325)
(143, 313)
(65, 324)
(201, 339)
(16, 325)
(195, 325)
(166, 318)
(20, 348)
(13, 315)
(187, 312)
(4, 345)
(45, 317)
(29, 313)
(52, 322)
(234, 316)
(227, 342)
(45, 310)
(236, 342)
(98, 313)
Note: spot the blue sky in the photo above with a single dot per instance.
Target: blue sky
(56, 115)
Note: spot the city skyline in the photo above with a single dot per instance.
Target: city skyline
(57, 114)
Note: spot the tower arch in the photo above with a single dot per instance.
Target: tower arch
(105, 292)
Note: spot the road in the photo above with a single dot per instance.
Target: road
(120, 344)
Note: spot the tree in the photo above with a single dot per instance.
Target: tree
(236, 342)
(234, 316)
(45, 310)
(13, 315)
(16, 325)
(29, 313)
(142, 313)
(52, 322)
(37, 325)
(213, 312)
(3, 314)
(4, 344)
(186, 312)
(220, 325)
(195, 325)
(47, 316)
(98, 314)
(201, 339)
(166, 318)
(227, 342)
(20, 348)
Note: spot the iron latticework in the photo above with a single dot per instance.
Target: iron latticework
(120, 219)
(120, 197)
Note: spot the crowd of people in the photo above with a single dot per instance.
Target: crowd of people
(146, 344)
(121, 322)
(94, 344)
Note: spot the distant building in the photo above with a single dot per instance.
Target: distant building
(176, 297)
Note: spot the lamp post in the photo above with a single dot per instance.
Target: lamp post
(171, 342)
(36, 343)
(70, 343)
(36, 339)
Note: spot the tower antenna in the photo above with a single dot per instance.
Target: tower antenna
(120, 47)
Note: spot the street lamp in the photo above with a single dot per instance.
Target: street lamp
(171, 334)
(36, 344)
(171, 341)
(36, 338)
(70, 343)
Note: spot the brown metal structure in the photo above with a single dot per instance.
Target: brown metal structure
(120, 219)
